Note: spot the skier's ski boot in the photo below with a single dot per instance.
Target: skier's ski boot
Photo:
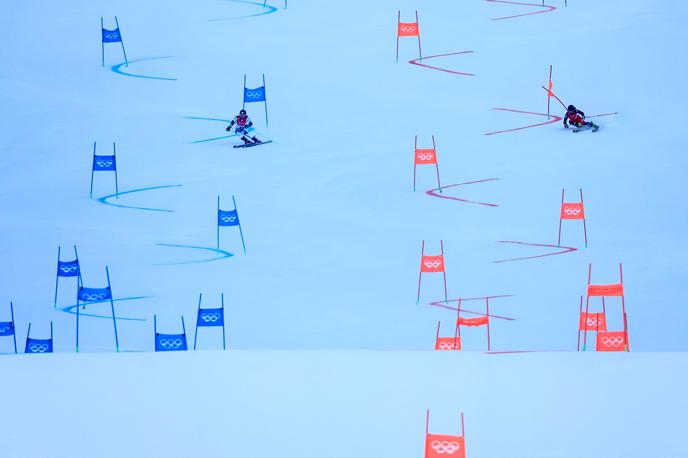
(595, 127)
(255, 140)
(246, 140)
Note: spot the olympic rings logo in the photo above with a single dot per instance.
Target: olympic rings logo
(408, 28)
(426, 157)
(432, 264)
(612, 341)
(104, 164)
(255, 94)
(67, 268)
(171, 344)
(86, 297)
(594, 322)
(447, 447)
(112, 35)
(572, 211)
(228, 219)
(210, 317)
(38, 348)
(6, 329)
(447, 346)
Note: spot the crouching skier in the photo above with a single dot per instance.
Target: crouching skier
(243, 122)
(576, 118)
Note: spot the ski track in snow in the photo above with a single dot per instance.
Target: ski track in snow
(269, 9)
(548, 9)
(434, 192)
(417, 62)
(563, 250)
(104, 200)
(223, 254)
(556, 119)
(118, 69)
(212, 139)
(71, 309)
(445, 305)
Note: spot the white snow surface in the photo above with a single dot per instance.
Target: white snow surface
(329, 353)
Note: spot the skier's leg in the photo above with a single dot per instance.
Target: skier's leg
(242, 132)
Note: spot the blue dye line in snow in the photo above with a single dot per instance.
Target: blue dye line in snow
(225, 121)
(103, 200)
(224, 254)
(118, 69)
(71, 308)
(270, 9)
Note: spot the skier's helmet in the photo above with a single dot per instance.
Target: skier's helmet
(242, 112)
(571, 109)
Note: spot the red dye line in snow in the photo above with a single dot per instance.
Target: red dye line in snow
(556, 119)
(444, 305)
(547, 9)
(566, 249)
(433, 193)
(415, 62)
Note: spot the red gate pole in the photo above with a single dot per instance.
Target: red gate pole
(580, 310)
(487, 312)
(444, 272)
(398, 22)
(415, 152)
(587, 303)
(562, 205)
(549, 96)
(437, 164)
(585, 229)
(420, 270)
(420, 54)
(623, 308)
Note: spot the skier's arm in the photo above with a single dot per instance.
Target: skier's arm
(249, 123)
(581, 113)
(229, 127)
(566, 124)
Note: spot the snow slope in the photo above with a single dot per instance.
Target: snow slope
(333, 228)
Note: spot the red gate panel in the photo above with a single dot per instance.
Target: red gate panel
(443, 446)
(432, 263)
(592, 322)
(615, 289)
(611, 341)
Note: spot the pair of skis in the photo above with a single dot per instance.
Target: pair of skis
(594, 128)
(250, 144)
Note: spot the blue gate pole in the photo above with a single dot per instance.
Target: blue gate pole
(94, 156)
(114, 153)
(14, 326)
(184, 331)
(197, 313)
(77, 323)
(79, 280)
(112, 307)
(121, 41)
(241, 233)
(102, 45)
(265, 101)
(57, 275)
(222, 299)
(243, 94)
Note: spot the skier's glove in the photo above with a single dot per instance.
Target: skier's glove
(228, 128)
(566, 126)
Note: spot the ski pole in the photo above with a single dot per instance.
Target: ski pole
(603, 114)
(554, 95)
